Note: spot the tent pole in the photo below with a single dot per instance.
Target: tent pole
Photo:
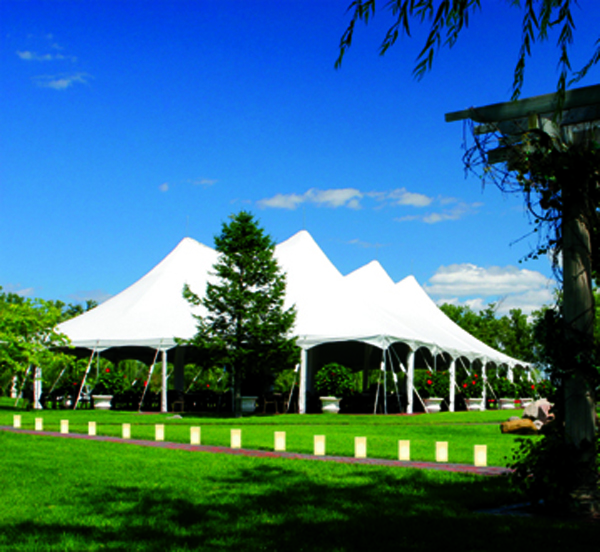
(484, 376)
(289, 402)
(410, 361)
(148, 380)
(37, 388)
(452, 405)
(20, 394)
(163, 401)
(395, 378)
(384, 370)
(84, 378)
(302, 390)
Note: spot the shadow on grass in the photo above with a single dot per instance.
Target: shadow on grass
(273, 506)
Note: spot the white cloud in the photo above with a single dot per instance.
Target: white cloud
(456, 210)
(508, 286)
(98, 295)
(333, 198)
(203, 181)
(18, 290)
(164, 187)
(401, 196)
(61, 82)
(449, 208)
(28, 55)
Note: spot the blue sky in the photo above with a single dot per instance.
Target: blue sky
(127, 125)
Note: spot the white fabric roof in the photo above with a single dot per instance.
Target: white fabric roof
(152, 312)
(363, 306)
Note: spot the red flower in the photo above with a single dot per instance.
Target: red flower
(107, 370)
(475, 375)
(207, 385)
(465, 385)
(429, 382)
(474, 382)
(533, 386)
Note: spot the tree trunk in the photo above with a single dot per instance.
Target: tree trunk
(578, 305)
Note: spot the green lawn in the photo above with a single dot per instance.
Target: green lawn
(64, 494)
(462, 431)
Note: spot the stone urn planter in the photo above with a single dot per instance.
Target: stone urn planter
(433, 404)
(249, 404)
(507, 404)
(330, 405)
(102, 402)
(475, 403)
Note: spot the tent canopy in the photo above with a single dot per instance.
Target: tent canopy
(364, 306)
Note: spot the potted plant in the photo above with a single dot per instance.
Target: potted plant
(506, 392)
(472, 389)
(108, 384)
(432, 387)
(332, 382)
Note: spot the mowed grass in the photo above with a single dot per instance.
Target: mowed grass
(65, 494)
(462, 431)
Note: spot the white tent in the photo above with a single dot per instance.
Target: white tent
(364, 306)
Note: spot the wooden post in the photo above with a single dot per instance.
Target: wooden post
(578, 309)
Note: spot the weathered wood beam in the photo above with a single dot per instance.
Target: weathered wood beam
(588, 96)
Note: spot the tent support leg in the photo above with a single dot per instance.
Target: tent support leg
(484, 376)
(163, 401)
(302, 390)
(452, 406)
(410, 361)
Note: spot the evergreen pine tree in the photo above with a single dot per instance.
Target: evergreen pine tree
(246, 327)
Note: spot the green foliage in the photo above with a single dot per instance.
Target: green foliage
(246, 327)
(447, 19)
(110, 382)
(432, 383)
(27, 334)
(174, 500)
(471, 385)
(334, 380)
(512, 334)
(544, 470)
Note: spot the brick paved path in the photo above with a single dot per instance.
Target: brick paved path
(461, 468)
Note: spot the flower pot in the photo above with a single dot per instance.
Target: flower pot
(102, 402)
(249, 404)
(475, 403)
(330, 405)
(507, 404)
(433, 404)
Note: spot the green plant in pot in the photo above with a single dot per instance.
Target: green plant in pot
(333, 380)
(332, 383)
(109, 383)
